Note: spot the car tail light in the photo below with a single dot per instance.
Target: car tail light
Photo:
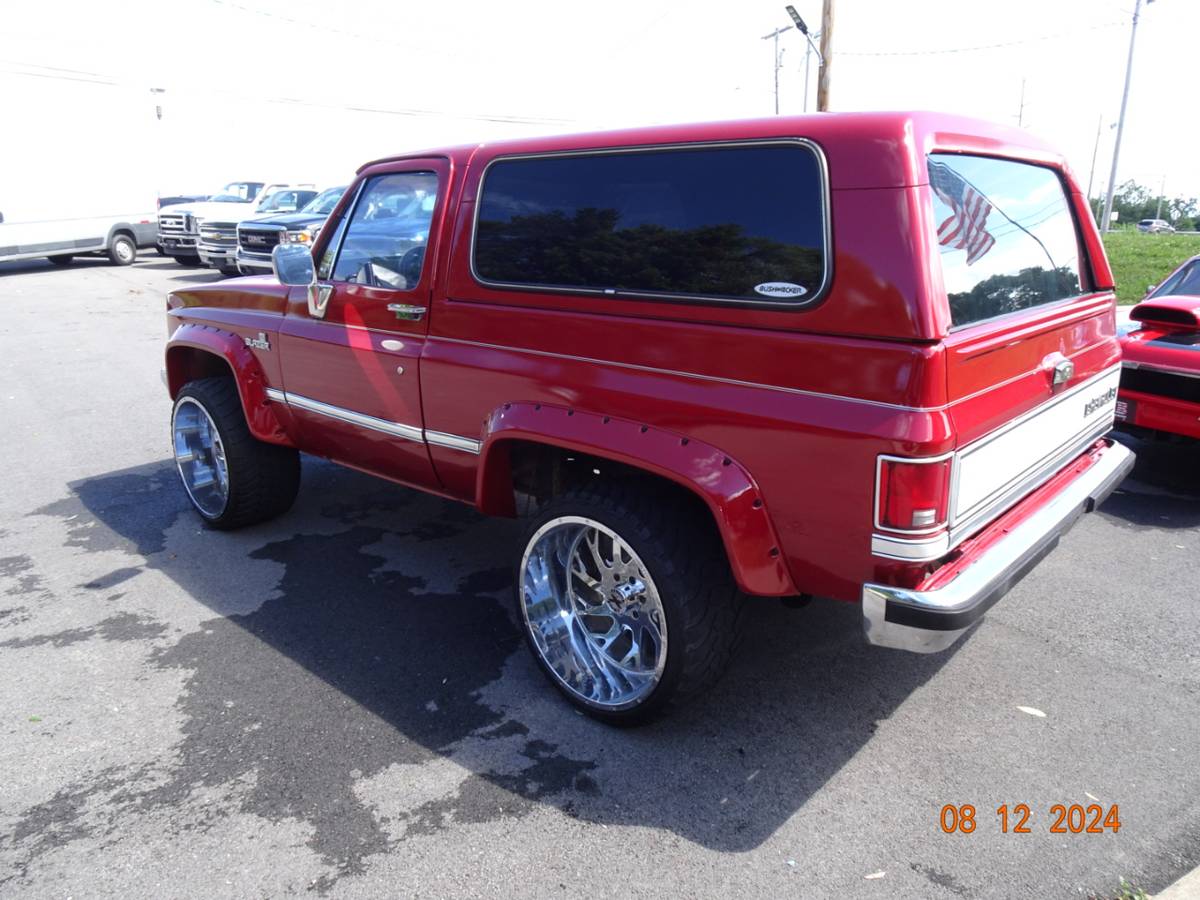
(913, 494)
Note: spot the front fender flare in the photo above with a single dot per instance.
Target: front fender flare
(260, 412)
(727, 489)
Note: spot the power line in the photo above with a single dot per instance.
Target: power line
(415, 112)
(997, 46)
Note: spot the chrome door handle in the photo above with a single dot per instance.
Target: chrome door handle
(406, 312)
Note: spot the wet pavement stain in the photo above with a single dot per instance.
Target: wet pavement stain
(121, 627)
(19, 571)
(328, 682)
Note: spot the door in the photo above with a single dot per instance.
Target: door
(351, 359)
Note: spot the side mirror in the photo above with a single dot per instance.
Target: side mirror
(293, 265)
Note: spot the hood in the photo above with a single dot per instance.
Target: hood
(207, 210)
(294, 221)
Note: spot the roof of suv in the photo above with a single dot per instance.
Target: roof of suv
(864, 149)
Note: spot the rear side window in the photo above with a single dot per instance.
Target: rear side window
(1006, 233)
(729, 223)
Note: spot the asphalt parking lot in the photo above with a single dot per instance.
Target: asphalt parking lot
(339, 703)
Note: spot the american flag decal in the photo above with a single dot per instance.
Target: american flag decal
(966, 229)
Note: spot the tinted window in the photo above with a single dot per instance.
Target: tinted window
(733, 222)
(1006, 234)
(385, 241)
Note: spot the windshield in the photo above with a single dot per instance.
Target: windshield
(324, 202)
(239, 191)
(1186, 281)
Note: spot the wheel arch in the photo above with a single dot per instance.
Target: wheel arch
(200, 351)
(124, 228)
(725, 488)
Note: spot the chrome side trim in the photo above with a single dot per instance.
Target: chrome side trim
(906, 550)
(397, 429)
(929, 621)
(453, 441)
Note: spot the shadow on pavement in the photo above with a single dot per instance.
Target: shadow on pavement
(387, 645)
(1164, 487)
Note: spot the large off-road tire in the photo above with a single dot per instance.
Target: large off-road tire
(61, 260)
(626, 599)
(122, 250)
(232, 479)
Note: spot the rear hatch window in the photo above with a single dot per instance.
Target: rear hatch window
(1006, 235)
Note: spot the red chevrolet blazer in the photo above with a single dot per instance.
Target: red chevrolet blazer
(870, 357)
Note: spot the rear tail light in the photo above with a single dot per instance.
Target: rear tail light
(913, 494)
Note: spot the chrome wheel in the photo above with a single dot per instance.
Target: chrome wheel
(124, 251)
(200, 457)
(593, 612)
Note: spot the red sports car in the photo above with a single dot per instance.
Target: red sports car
(1160, 375)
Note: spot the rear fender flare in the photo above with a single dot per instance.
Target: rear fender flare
(727, 489)
(191, 338)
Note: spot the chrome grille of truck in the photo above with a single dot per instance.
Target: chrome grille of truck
(177, 224)
(259, 240)
(219, 233)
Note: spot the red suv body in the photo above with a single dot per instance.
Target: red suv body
(873, 356)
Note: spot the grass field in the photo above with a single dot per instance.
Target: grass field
(1140, 259)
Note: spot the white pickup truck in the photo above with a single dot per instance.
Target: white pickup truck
(180, 226)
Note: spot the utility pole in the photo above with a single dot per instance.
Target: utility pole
(1095, 150)
(774, 35)
(1161, 191)
(1021, 108)
(824, 75)
(1112, 178)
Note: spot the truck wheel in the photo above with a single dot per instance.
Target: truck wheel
(231, 478)
(122, 251)
(61, 260)
(627, 601)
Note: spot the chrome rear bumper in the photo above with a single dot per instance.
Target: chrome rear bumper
(929, 621)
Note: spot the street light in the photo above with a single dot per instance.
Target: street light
(808, 51)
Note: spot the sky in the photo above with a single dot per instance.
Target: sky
(310, 89)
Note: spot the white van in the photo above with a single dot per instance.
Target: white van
(115, 235)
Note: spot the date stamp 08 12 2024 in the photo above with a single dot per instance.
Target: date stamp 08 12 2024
(1072, 818)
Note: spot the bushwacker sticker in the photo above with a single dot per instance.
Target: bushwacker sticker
(780, 289)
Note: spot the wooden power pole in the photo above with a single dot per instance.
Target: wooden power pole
(824, 76)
